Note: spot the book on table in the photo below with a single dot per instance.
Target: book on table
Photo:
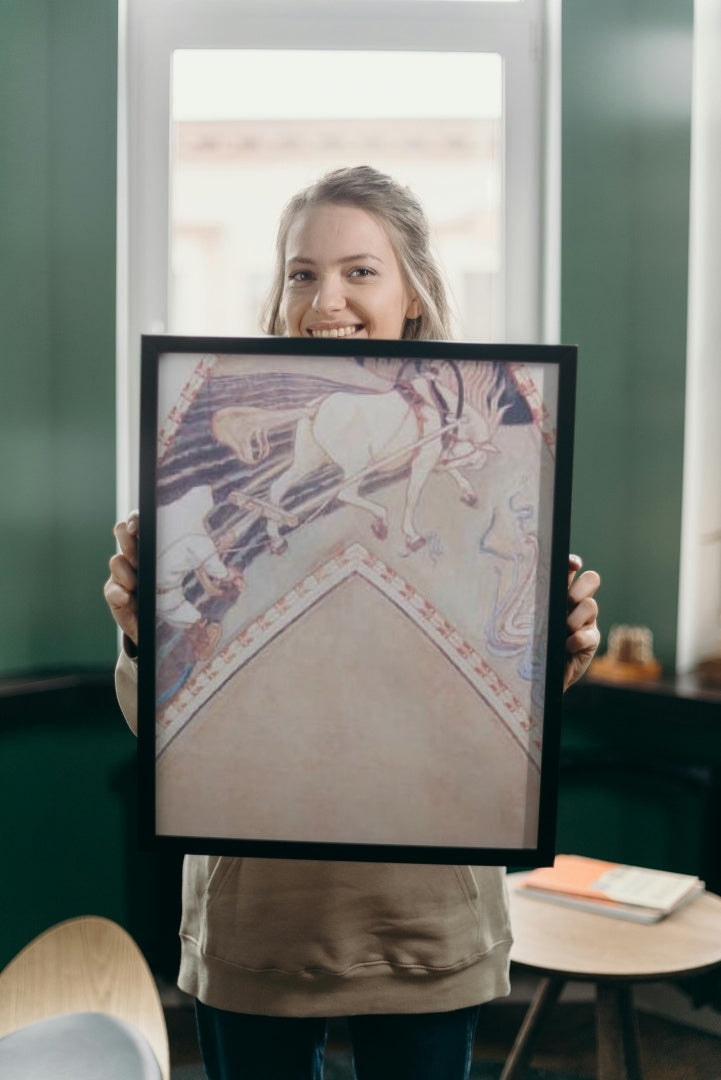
(609, 888)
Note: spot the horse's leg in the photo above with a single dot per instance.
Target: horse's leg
(345, 428)
(307, 456)
(379, 524)
(421, 468)
(468, 495)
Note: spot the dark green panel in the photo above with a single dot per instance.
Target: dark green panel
(641, 777)
(57, 325)
(631, 818)
(26, 488)
(65, 787)
(68, 803)
(626, 144)
(83, 76)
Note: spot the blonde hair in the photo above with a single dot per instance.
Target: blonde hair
(403, 217)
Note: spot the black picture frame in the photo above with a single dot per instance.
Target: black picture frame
(271, 583)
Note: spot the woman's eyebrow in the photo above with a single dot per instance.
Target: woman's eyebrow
(361, 257)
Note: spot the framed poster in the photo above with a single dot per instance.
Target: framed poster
(352, 595)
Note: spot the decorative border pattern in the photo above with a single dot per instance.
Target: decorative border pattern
(539, 410)
(171, 423)
(354, 559)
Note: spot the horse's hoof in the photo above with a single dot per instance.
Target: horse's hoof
(278, 547)
(469, 498)
(416, 544)
(379, 528)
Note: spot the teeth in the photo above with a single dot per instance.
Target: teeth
(335, 332)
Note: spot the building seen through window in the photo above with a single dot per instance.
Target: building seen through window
(233, 170)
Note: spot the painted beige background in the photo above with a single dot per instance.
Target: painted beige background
(405, 755)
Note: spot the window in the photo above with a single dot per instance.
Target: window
(227, 107)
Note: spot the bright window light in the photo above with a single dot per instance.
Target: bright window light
(239, 154)
(220, 84)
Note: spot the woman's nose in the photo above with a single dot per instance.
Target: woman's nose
(329, 296)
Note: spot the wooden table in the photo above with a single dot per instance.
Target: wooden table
(563, 944)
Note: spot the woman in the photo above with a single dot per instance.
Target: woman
(271, 948)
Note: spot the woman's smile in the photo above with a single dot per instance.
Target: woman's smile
(335, 331)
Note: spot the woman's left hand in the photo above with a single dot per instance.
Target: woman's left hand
(582, 633)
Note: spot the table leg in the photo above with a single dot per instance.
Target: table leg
(617, 1033)
(545, 997)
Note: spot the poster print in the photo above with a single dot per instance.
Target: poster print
(352, 597)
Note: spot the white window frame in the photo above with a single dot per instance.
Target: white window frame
(526, 34)
(699, 597)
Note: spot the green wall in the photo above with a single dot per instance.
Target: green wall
(58, 71)
(625, 200)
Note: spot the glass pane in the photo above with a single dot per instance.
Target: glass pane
(455, 1)
(250, 128)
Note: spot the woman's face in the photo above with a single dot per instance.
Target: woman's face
(342, 277)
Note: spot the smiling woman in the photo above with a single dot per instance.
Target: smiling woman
(353, 259)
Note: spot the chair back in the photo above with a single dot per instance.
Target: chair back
(87, 964)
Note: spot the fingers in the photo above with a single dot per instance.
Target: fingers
(584, 613)
(575, 562)
(123, 607)
(121, 587)
(586, 640)
(120, 600)
(582, 633)
(584, 586)
(581, 647)
(126, 534)
(582, 607)
(123, 572)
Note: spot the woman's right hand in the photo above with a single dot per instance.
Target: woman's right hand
(121, 587)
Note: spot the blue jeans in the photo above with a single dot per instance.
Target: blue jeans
(415, 1046)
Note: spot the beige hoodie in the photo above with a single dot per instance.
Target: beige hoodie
(284, 937)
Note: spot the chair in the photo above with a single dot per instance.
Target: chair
(80, 1002)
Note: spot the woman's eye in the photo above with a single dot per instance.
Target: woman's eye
(300, 276)
(362, 272)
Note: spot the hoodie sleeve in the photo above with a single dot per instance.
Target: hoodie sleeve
(126, 688)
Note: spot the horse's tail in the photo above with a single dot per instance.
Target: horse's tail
(245, 429)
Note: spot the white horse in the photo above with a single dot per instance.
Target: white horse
(365, 433)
